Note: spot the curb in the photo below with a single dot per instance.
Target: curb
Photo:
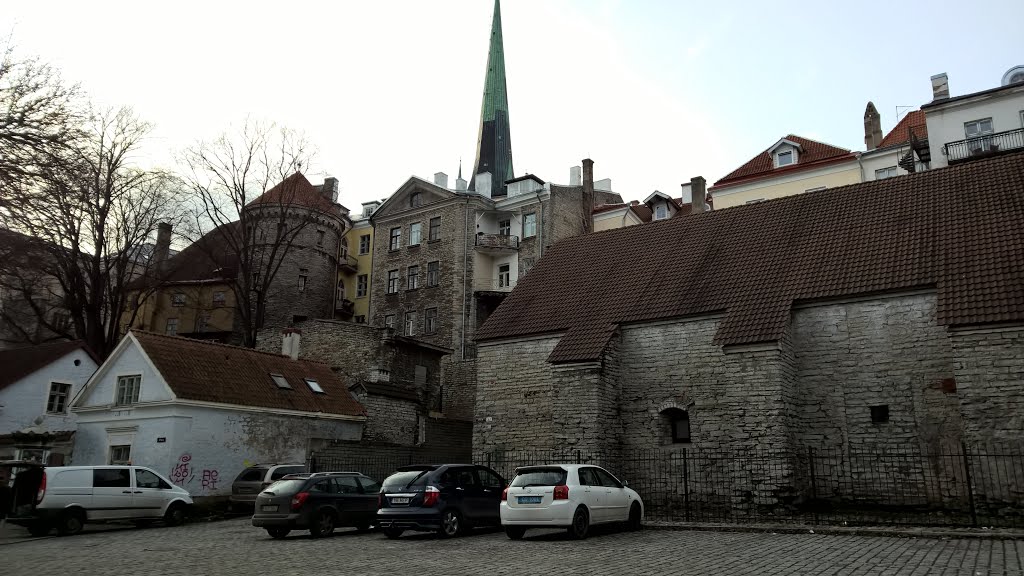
(886, 531)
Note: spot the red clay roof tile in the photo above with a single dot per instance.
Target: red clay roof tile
(20, 362)
(901, 133)
(762, 166)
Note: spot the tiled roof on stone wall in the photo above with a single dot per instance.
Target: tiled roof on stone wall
(762, 166)
(959, 230)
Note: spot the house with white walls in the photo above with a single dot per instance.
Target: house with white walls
(201, 412)
(37, 384)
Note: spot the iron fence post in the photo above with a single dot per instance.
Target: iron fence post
(686, 485)
(814, 482)
(578, 460)
(970, 486)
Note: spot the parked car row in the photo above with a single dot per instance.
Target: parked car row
(449, 499)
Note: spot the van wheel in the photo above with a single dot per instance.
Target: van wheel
(175, 515)
(71, 522)
(40, 529)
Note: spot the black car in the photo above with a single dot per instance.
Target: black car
(446, 498)
(317, 502)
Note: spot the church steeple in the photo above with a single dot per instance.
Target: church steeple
(494, 143)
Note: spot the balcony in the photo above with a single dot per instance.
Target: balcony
(496, 242)
(348, 263)
(344, 307)
(984, 146)
(493, 285)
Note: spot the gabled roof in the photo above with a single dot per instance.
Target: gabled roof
(20, 362)
(414, 182)
(957, 230)
(210, 372)
(659, 194)
(296, 190)
(642, 212)
(913, 121)
(813, 153)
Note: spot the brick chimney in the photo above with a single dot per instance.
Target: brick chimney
(291, 338)
(698, 192)
(940, 87)
(330, 189)
(872, 127)
(162, 249)
(588, 194)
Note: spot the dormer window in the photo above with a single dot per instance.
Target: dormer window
(314, 386)
(280, 382)
(784, 159)
(660, 212)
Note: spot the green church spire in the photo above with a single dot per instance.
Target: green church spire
(494, 143)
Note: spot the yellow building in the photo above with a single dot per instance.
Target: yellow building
(793, 165)
(355, 265)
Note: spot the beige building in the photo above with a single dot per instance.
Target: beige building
(355, 267)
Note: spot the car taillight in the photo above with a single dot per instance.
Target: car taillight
(380, 500)
(431, 495)
(299, 499)
(42, 489)
(504, 495)
(561, 492)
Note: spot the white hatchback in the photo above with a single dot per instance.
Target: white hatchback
(571, 496)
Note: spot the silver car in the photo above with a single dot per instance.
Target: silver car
(255, 479)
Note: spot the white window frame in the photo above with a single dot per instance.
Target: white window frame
(415, 233)
(364, 244)
(505, 227)
(410, 323)
(168, 327)
(660, 212)
(119, 462)
(135, 391)
(529, 225)
(412, 274)
(791, 154)
(389, 321)
(280, 381)
(978, 140)
(394, 281)
(314, 386)
(362, 285)
(504, 277)
(67, 397)
(887, 172)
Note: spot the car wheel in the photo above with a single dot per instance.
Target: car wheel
(40, 529)
(580, 524)
(278, 533)
(71, 522)
(393, 533)
(636, 521)
(323, 524)
(451, 524)
(514, 532)
(175, 515)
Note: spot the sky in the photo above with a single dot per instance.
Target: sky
(654, 91)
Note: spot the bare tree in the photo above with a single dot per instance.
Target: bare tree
(253, 202)
(89, 213)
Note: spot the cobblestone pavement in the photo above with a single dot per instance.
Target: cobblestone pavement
(234, 547)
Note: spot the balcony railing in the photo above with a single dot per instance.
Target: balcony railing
(493, 284)
(349, 262)
(497, 241)
(981, 146)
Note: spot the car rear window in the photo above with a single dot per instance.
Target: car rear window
(252, 475)
(283, 471)
(286, 487)
(406, 479)
(540, 477)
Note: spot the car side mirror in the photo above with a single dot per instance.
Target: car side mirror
(624, 483)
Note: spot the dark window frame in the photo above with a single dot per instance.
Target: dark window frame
(434, 229)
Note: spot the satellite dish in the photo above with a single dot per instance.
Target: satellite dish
(1013, 75)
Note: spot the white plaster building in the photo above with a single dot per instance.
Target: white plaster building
(200, 412)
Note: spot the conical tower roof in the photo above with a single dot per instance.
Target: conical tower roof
(494, 142)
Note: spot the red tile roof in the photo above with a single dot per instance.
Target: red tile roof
(901, 133)
(959, 230)
(296, 190)
(222, 374)
(814, 154)
(642, 212)
(20, 362)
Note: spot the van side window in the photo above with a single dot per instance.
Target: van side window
(111, 478)
(146, 479)
(282, 471)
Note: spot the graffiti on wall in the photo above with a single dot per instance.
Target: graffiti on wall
(182, 472)
(210, 479)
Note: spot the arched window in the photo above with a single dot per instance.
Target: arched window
(678, 423)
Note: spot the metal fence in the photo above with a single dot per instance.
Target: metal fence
(980, 486)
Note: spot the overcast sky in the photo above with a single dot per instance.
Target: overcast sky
(655, 92)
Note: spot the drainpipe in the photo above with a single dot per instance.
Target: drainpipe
(465, 271)
(540, 226)
(861, 166)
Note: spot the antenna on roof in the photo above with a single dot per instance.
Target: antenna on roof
(905, 109)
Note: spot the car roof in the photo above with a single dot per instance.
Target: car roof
(566, 467)
(312, 474)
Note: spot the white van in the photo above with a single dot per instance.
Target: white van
(67, 497)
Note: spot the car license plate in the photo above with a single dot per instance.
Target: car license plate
(529, 499)
(268, 508)
(399, 500)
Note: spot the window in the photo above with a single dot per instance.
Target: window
(346, 484)
(413, 280)
(280, 381)
(362, 284)
(396, 239)
(127, 392)
(430, 320)
(319, 237)
(282, 471)
(218, 299)
(303, 277)
(146, 479)
(392, 281)
(660, 212)
(503, 276)
(202, 322)
(171, 328)
(976, 131)
(885, 173)
(415, 231)
(367, 211)
(114, 477)
(410, 323)
(178, 299)
(607, 480)
(314, 386)
(505, 227)
(784, 158)
(369, 486)
(415, 200)
(435, 229)
(389, 321)
(489, 479)
(679, 424)
(880, 414)
(589, 477)
(57, 403)
(364, 244)
(343, 249)
(529, 225)
(433, 273)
